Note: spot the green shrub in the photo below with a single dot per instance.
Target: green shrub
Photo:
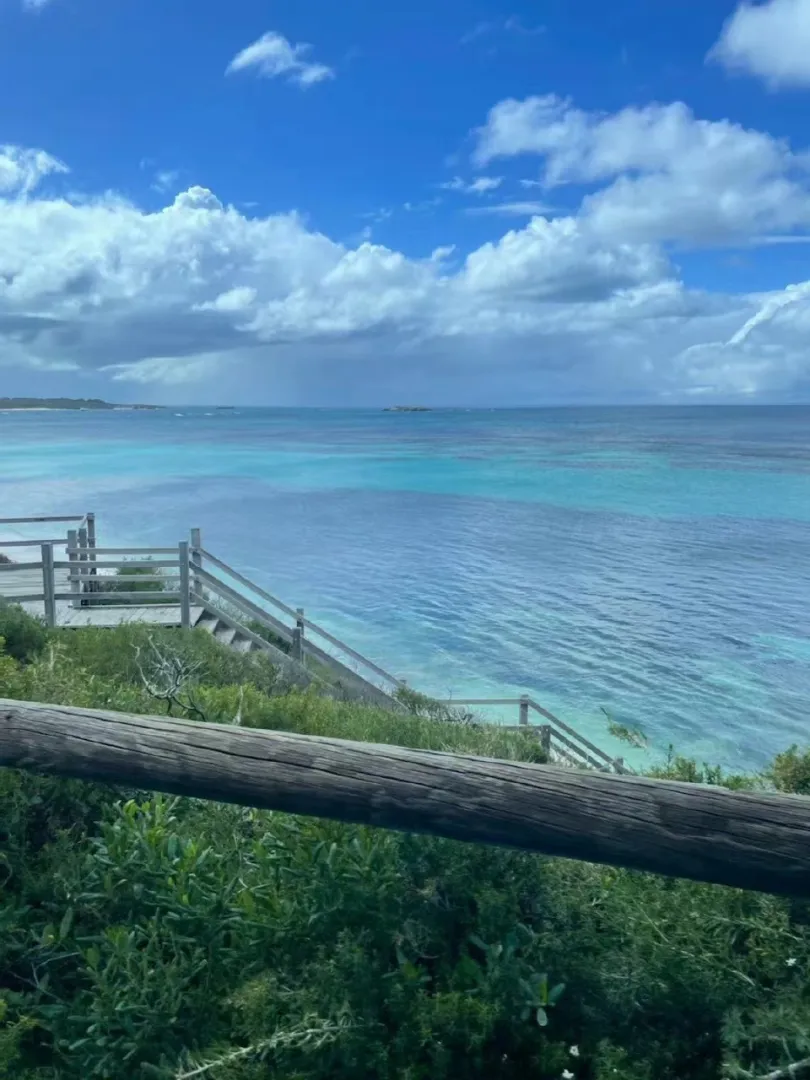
(126, 580)
(146, 936)
(790, 771)
(24, 635)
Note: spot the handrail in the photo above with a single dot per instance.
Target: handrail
(309, 648)
(293, 614)
(121, 564)
(253, 610)
(84, 522)
(532, 704)
(481, 701)
(124, 551)
(41, 520)
(316, 629)
(572, 738)
(55, 540)
(280, 657)
(569, 730)
(572, 745)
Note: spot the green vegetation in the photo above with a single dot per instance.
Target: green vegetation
(23, 636)
(143, 936)
(128, 579)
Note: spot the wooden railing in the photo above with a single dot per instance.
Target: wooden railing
(560, 741)
(217, 585)
(187, 575)
(83, 522)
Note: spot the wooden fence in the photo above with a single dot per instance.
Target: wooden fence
(711, 834)
(197, 582)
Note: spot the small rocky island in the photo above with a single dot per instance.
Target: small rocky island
(407, 408)
(60, 404)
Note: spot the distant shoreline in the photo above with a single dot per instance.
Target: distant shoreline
(25, 404)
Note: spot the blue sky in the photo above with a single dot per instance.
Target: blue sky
(465, 203)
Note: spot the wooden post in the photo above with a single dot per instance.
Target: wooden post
(298, 636)
(82, 565)
(185, 585)
(545, 740)
(91, 545)
(523, 716)
(744, 839)
(48, 584)
(73, 559)
(196, 560)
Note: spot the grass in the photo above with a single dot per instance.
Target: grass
(143, 936)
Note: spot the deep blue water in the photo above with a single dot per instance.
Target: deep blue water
(654, 563)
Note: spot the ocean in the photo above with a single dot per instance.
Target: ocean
(651, 564)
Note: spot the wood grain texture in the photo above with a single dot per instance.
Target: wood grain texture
(708, 834)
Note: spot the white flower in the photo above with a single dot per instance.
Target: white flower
(791, 962)
(567, 1075)
(574, 1051)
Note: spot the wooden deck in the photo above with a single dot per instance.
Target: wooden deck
(14, 583)
(108, 616)
(21, 583)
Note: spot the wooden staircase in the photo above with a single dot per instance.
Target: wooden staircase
(224, 634)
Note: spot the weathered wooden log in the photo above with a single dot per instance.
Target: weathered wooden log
(753, 841)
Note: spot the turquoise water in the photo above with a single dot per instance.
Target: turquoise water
(654, 563)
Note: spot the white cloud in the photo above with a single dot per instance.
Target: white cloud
(272, 56)
(22, 170)
(183, 296)
(513, 24)
(660, 172)
(770, 41)
(479, 186)
(165, 370)
(165, 180)
(517, 208)
(35, 5)
(559, 260)
(239, 299)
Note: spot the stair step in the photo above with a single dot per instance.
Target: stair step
(242, 645)
(225, 634)
(208, 623)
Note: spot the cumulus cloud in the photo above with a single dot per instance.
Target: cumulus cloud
(661, 173)
(770, 41)
(183, 295)
(559, 260)
(272, 56)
